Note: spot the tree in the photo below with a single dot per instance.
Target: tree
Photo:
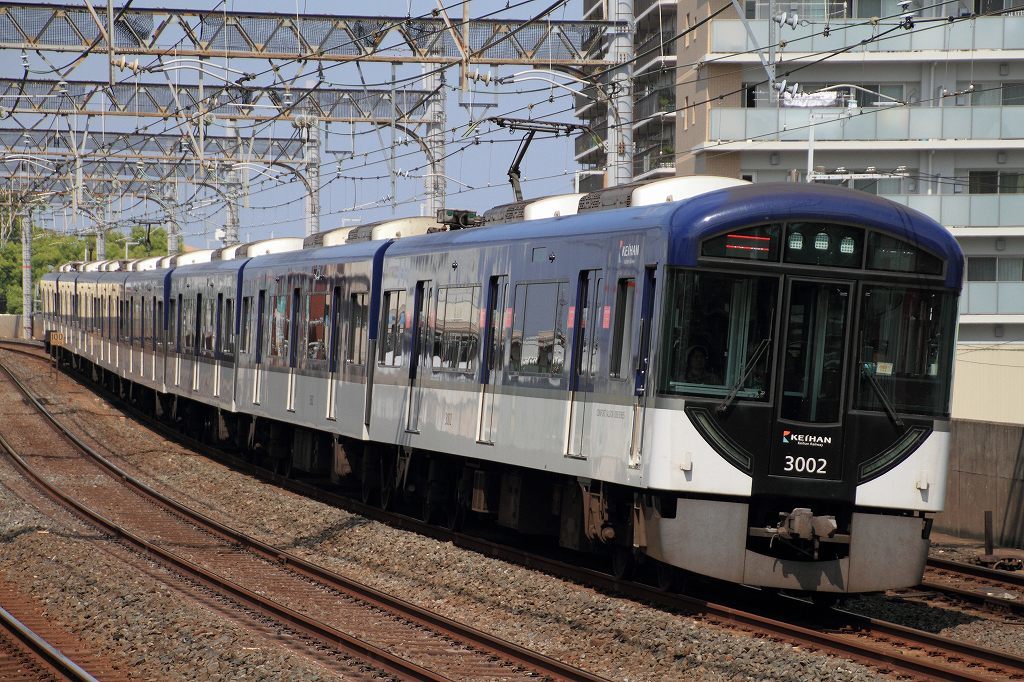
(50, 250)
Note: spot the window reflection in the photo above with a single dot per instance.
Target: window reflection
(906, 344)
(716, 324)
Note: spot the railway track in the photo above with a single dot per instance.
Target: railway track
(994, 589)
(885, 646)
(25, 655)
(392, 636)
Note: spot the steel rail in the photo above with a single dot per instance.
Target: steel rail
(542, 664)
(45, 651)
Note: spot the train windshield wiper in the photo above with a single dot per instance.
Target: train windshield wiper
(882, 397)
(745, 372)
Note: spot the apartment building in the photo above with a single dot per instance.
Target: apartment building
(922, 106)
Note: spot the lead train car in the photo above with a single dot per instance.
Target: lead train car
(752, 383)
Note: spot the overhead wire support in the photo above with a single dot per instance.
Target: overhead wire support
(322, 37)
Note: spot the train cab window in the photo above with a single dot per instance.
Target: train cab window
(246, 325)
(227, 326)
(895, 255)
(905, 350)
(625, 299)
(538, 331)
(393, 317)
(457, 335)
(279, 327)
(318, 315)
(359, 311)
(718, 331)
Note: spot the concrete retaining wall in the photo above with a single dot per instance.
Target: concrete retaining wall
(986, 472)
(10, 327)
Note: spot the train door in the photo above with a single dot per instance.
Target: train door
(640, 372)
(585, 357)
(419, 353)
(809, 429)
(492, 368)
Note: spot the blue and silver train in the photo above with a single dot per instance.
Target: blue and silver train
(743, 381)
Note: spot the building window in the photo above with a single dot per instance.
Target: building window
(995, 182)
(991, 269)
(1013, 94)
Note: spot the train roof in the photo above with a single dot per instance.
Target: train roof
(342, 253)
(692, 220)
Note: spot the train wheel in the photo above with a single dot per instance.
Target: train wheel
(388, 491)
(825, 600)
(668, 578)
(368, 477)
(623, 562)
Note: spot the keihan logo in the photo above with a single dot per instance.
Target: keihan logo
(804, 439)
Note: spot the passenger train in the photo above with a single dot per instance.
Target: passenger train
(744, 381)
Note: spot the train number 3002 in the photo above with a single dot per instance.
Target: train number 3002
(809, 465)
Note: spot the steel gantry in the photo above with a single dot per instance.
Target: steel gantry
(241, 103)
(326, 38)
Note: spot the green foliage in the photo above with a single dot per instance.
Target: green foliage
(50, 250)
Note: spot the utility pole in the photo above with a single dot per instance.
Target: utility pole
(234, 190)
(309, 133)
(434, 181)
(619, 153)
(26, 275)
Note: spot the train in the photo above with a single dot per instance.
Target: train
(744, 381)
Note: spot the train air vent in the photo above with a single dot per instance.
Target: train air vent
(394, 229)
(534, 209)
(656, 192)
(267, 246)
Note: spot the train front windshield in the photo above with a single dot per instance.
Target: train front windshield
(719, 342)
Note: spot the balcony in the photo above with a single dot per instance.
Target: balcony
(962, 210)
(992, 298)
(653, 162)
(728, 36)
(641, 8)
(591, 142)
(873, 123)
(659, 101)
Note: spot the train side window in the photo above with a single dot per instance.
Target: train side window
(280, 319)
(392, 340)
(174, 324)
(246, 326)
(355, 352)
(625, 299)
(457, 336)
(318, 314)
(188, 323)
(332, 321)
(227, 327)
(206, 328)
(158, 324)
(538, 335)
(261, 306)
